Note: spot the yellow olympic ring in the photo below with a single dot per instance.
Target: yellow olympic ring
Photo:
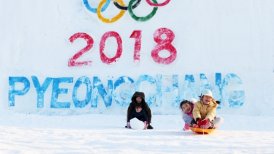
(115, 18)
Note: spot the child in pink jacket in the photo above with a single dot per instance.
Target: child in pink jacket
(187, 109)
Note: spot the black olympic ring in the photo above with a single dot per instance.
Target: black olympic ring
(125, 7)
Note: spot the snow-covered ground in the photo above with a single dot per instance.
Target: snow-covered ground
(224, 45)
(99, 133)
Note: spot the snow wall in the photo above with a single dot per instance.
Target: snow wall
(70, 57)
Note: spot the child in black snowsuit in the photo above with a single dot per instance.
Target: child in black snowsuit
(139, 109)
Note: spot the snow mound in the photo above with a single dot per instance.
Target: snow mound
(137, 124)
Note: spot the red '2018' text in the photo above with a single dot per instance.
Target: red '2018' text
(162, 36)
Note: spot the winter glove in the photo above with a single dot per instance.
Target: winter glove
(205, 124)
(128, 125)
(145, 125)
(197, 120)
(201, 122)
(186, 127)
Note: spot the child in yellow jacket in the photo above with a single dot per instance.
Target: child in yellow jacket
(204, 111)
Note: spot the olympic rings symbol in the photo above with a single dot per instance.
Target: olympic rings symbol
(120, 4)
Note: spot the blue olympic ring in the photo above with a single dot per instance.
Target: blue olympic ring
(94, 10)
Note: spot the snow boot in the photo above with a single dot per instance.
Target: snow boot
(149, 126)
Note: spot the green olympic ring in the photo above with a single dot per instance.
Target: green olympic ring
(145, 18)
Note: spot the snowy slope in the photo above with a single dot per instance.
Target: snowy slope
(28, 133)
(47, 106)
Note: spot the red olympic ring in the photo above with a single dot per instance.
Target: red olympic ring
(159, 4)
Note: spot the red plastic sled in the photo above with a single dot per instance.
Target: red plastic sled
(201, 130)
